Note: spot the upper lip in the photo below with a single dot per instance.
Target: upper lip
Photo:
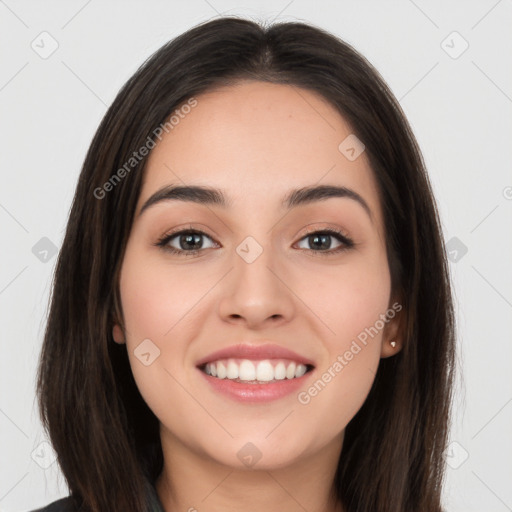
(255, 352)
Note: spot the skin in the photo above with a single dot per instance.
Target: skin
(255, 141)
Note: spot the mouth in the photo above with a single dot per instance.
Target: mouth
(247, 371)
(251, 373)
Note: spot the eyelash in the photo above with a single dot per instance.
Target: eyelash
(345, 240)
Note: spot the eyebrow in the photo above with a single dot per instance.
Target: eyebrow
(213, 196)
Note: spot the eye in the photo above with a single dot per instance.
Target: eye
(189, 242)
(321, 240)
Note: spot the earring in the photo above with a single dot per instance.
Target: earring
(393, 343)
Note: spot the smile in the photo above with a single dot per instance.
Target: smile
(257, 372)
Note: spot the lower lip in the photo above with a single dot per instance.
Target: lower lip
(256, 392)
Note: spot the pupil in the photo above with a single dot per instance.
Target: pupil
(190, 238)
(324, 238)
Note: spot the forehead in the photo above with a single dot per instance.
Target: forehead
(259, 137)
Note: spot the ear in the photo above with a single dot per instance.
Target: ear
(393, 330)
(117, 329)
(117, 334)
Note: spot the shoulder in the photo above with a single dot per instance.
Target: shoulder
(62, 505)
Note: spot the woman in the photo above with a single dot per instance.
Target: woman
(252, 305)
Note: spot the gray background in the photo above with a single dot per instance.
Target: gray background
(459, 105)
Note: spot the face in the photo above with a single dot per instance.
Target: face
(311, 278)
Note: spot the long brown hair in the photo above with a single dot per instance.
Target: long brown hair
(106, 438)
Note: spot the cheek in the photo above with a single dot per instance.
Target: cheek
(153, 304)
(350, 298)
(159, 304)
(155, 297)
(337, 393)
(350, 301)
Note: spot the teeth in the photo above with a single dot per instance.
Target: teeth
(221, 371)
(232, 370)
(280, 371)
(264, 371)
(300, 371)
(261, 371)
(247, 371)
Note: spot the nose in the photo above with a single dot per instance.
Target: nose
(257, 293)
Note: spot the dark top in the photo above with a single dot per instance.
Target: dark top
(66, 504)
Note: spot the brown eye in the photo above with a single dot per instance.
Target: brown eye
(186, 242)
(321, 241)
